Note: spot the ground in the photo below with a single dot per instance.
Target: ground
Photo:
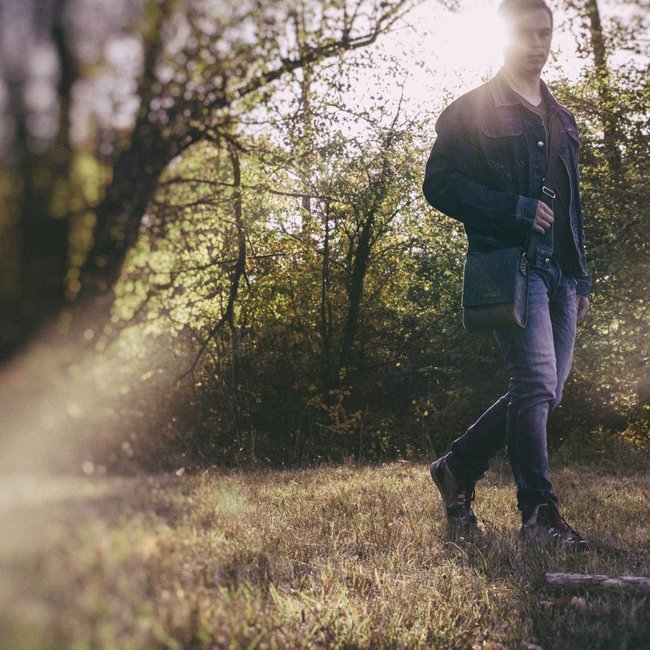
(329, 557)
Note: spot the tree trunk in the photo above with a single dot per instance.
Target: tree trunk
(119, 214)
(609, 583)
(136, 172)
(34, 287)
(611, 135)
(355, 287)
(328, 369)
(361, 255)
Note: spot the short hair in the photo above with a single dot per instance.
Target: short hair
(509, 9)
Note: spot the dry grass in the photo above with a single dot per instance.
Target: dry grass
(319, 558)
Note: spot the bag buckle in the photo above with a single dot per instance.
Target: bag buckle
(523, 264)
(548, 191)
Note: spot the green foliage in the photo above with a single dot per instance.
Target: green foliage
(610, 381)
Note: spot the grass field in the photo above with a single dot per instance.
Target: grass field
(333, 557)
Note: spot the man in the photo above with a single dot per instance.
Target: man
(487, 169)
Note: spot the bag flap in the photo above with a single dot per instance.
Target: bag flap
(490, 278)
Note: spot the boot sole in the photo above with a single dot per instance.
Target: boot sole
(546, 539)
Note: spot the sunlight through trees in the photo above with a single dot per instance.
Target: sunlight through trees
(219, 203)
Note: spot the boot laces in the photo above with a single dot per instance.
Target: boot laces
(465, 497)
(560, 527)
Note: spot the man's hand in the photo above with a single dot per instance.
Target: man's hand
(543, 218)
(582, 307)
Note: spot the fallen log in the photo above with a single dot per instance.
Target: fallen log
(609, 583)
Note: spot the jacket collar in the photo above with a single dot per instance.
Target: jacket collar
(504, 95)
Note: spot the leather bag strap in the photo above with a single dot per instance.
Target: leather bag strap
(548, 184)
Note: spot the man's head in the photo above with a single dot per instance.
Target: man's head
(529, 28)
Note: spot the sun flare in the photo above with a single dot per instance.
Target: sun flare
(458, 50)
(471, 40)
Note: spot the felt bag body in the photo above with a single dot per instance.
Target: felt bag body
(495, 290)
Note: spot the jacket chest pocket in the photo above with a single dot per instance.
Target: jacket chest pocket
(505, 152)
(502, 143)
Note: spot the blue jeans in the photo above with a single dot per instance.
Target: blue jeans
(538, 358)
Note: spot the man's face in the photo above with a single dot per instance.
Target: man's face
(529, 41)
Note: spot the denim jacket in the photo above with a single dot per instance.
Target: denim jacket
(487, 166)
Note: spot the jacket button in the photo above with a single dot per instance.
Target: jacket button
(540, 144)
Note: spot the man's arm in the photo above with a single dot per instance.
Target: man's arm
(449, 184)
(584, 282)
(582, 307)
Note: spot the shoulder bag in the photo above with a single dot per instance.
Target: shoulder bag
(495, 290)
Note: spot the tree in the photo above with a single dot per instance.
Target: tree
(200, 69)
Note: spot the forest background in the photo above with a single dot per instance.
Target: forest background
(214, 247)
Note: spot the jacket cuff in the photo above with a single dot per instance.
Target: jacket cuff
(583, 286)
(525, 211)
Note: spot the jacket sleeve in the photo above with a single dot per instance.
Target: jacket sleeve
(451, 185)
(584, 281)
(583, 286)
